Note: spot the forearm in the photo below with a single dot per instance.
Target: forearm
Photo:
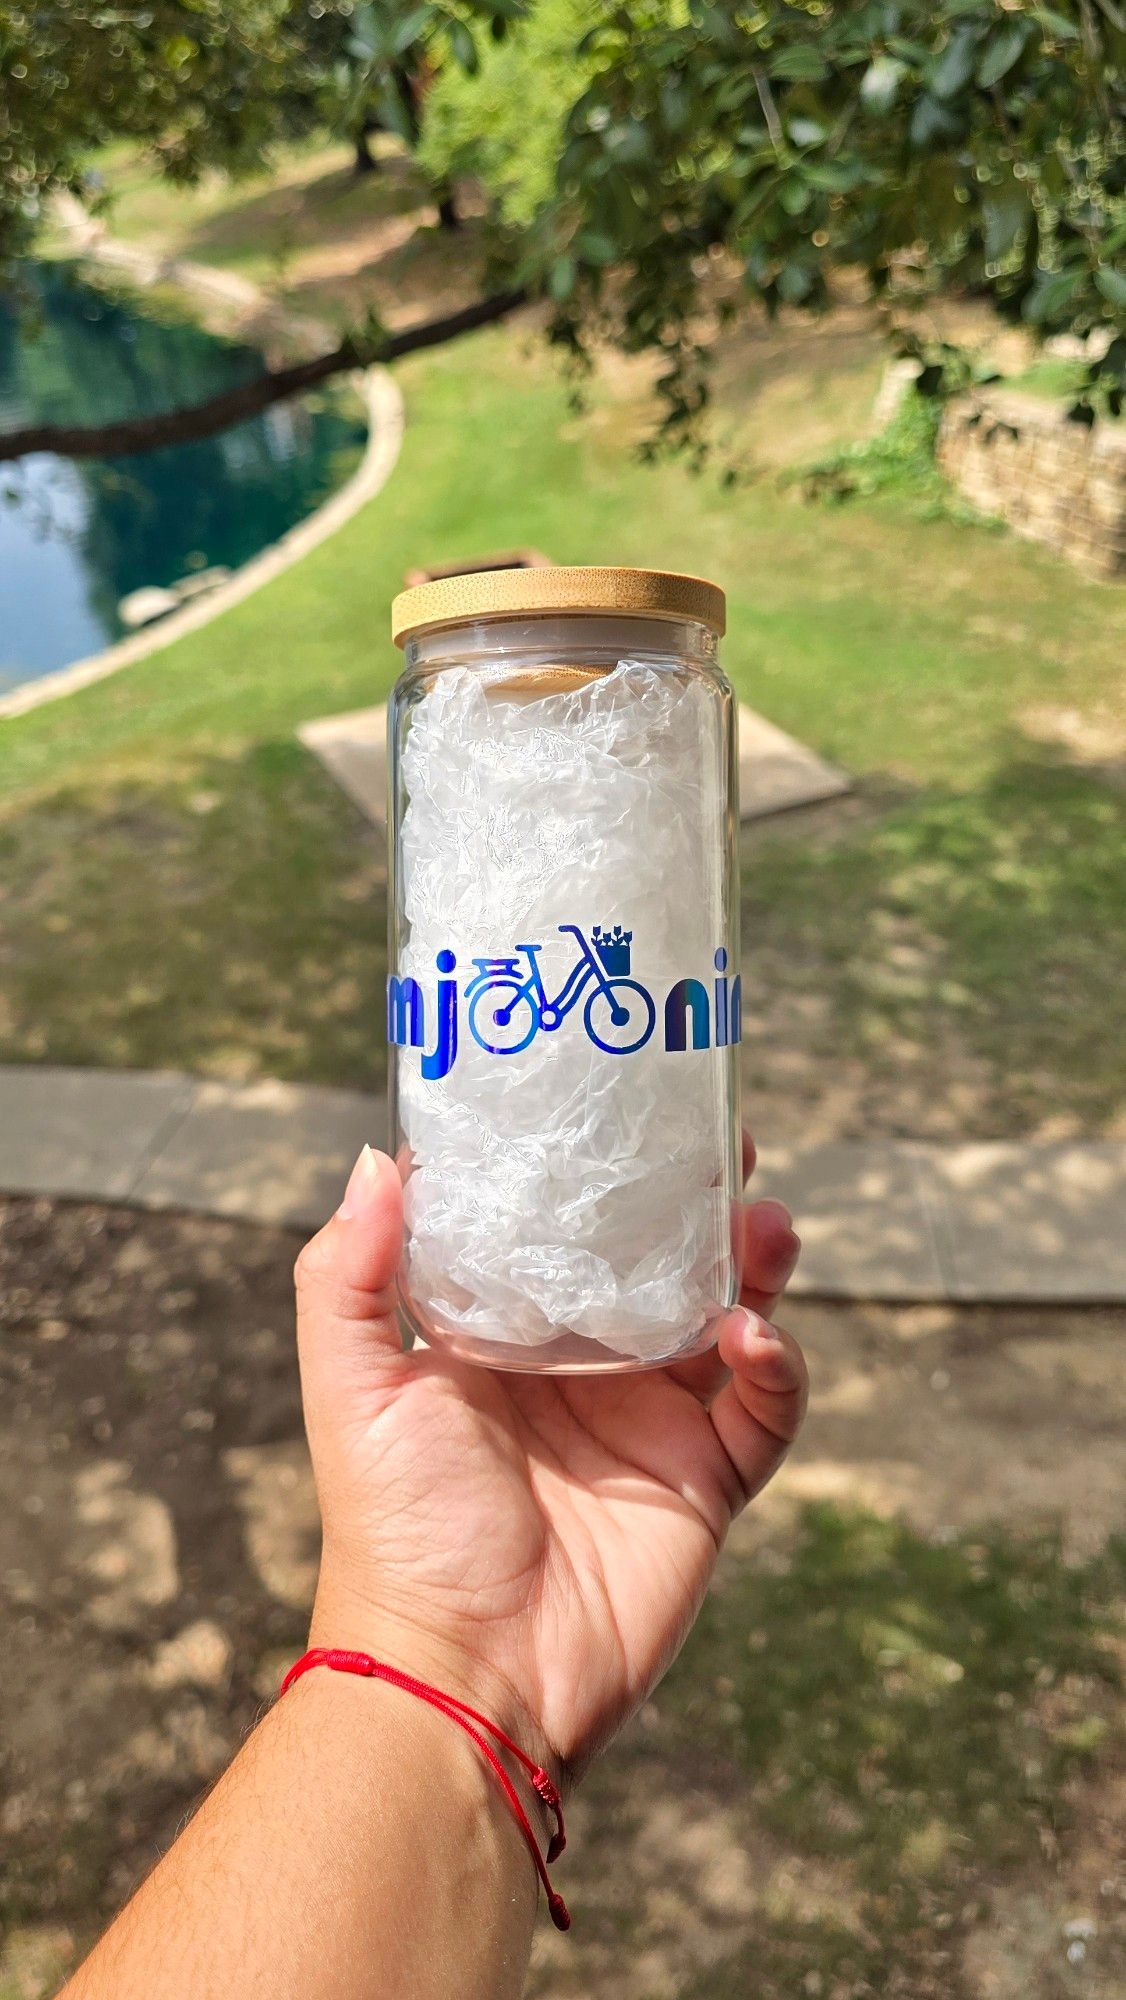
(357, 1848)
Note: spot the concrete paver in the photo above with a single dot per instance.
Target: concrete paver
(274, 1152)
(353, 749)
(84, 1132)
(775, 772)
(1045, 1222)
(883, 1221)
(865, 1230)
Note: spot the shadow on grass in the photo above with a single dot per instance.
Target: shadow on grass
(334, 208)
(155, 1455)
(994, 918)
(230, 919)
(856, 1749)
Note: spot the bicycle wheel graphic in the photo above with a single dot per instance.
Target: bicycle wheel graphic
(502, 1018)
(621, 1037)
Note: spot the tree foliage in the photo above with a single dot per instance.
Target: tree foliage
(655, 166)
(210, 83)
(386, 55)
(502, 122)
(721, 153)
(206, 82)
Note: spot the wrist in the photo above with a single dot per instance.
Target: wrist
(386, 1763)
(345, 1617)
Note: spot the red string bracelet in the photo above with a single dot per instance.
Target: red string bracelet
(343, 1662)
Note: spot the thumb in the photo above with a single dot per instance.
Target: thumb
(347, 1332)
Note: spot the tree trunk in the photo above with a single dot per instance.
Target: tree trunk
(448, 217)
(363, 159)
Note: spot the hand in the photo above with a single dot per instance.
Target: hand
(538, 1544)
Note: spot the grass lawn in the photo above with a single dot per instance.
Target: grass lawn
(885, 1701)
(307, 229)
(942, 954)
(250, 226)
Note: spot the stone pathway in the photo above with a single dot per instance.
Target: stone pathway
(775, 772)
(891, 1221)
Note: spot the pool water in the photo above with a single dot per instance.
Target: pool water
(77, 536)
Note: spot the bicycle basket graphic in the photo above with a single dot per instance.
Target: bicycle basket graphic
(612, 947)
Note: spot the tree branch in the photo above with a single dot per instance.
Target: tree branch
(249, 399)
(769, 108)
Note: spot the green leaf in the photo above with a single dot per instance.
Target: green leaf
(1057, 24)
(675, 103)
(628, 142)
(595, 247)
(1112, 285)
(930, 121)
(1002, 51)
(806, 131)
(956, 66)
(800, 64)
(363, 42)
(411, 28)
(1005, 211)
(562, 281)
(912, 52)
(880, 83)
(836, 176)
(795, 196)
(463, 48)
(1050, 295)
(795, 283)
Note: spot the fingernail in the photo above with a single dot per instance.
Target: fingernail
(757, 1327)
(790, 1260)
(362, 1182)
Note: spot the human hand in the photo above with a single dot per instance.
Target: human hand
(537, 1544)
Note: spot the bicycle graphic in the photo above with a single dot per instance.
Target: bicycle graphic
(507, 1010)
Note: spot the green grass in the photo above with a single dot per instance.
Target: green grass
(267, 899)
(243, 225)
(996, 916)
(897, 463)
(911, 651)
(897, 646)
(904, 1725)
(303, 227)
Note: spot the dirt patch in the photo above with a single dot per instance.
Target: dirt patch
(157, 1524)
(135, 1356)
(955, 1416)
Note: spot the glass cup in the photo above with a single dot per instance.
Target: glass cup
(564, 1005)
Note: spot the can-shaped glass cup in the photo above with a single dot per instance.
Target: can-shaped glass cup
(563, 1001)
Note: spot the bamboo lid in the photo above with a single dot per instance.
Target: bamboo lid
(582, 591)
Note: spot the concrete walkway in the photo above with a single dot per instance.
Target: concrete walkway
(890, 1221)
(776, 773)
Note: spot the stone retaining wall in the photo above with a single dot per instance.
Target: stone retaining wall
(1053, 480)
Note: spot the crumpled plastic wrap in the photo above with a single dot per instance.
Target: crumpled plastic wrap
(563, 1189)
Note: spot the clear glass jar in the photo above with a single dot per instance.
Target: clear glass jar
(564, 1002)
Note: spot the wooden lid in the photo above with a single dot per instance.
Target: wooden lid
(577, 590)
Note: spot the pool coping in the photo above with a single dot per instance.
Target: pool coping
(383, 406)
